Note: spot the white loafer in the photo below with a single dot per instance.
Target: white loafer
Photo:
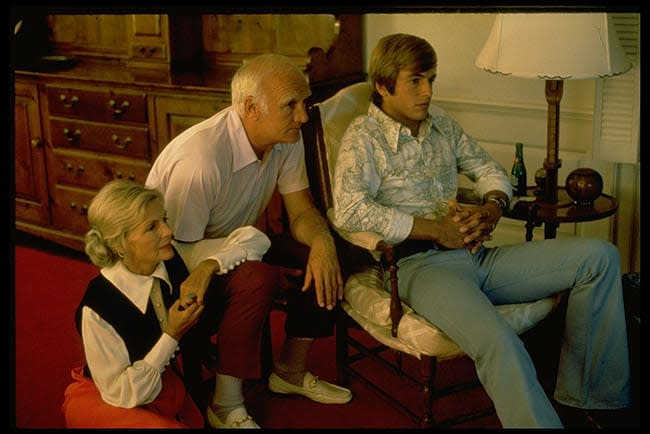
(313, 388)
(238, 418)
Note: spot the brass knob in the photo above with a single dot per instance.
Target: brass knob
(118, 110)
(36, 143)
(116, 140)
(68, 104)
(147, 51)
(72, 135)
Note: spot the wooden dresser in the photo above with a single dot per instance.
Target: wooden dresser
(125, 97)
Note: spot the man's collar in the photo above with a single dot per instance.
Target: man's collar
(393, 128)
(242, 149)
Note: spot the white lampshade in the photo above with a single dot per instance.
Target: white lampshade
(553, 46)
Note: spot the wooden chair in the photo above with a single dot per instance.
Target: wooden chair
(397, 331)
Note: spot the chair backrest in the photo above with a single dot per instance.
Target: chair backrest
(322, 136)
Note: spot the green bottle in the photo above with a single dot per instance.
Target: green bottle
(518, 172)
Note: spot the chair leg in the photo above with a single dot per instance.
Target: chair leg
(266, 355)
(427, 374)
(342, 376)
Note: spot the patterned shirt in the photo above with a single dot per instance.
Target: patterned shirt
(384, 176)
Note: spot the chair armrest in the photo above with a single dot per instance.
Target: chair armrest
(367, 240)
(381, 251)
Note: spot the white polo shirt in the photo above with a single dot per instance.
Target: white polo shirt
(213, 182)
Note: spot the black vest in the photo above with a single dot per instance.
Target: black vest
(139, 332)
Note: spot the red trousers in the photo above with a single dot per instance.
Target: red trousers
(237, 306)
(83, 407)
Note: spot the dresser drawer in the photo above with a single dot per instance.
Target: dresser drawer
(92, 171)
(108, 138)
(70, 209)
(102, 106)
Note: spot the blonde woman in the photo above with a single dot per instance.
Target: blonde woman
(131, 319)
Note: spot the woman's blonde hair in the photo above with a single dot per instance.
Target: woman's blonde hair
(116, 209)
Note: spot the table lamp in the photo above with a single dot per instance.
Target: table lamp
(553, 47)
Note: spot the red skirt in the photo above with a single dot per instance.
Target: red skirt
(83, 407)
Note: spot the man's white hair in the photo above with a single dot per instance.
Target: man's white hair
(254, 72)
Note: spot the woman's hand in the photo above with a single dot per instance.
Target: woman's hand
(181, 316)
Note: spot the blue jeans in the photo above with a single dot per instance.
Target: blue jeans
(457, 291)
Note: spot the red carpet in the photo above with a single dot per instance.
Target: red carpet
(48, 289)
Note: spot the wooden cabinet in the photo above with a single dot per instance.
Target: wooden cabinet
(164, 41)
(326, 46)
(95, 134)
(132, 91)
(175, 113)
(142, 40)
(30, 174)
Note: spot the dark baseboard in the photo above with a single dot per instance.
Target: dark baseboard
(20, 238)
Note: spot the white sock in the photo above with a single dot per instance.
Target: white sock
(227, 396)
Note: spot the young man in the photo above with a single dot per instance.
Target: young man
(396, 175)
(219, 176)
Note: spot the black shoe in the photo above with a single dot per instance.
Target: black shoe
(573, 417)
(621, 418)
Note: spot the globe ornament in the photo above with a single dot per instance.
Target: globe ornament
(584, 185)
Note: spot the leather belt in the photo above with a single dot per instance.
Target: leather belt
(411, 247)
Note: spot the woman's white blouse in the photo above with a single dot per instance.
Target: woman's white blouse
(121, 383)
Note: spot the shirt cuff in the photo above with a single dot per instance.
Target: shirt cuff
(231, 258)
(401, 225)
(246, 243)
(161, 354)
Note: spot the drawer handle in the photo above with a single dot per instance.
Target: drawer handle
(83, 210)
(118, 175)
(147, 51)
(116, 140)
(70, 167)
(68, 104)
(72, 136)
(118, 111)
(36, 143)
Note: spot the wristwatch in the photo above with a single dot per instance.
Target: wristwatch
(499, 201)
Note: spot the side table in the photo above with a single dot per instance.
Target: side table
(535, 212)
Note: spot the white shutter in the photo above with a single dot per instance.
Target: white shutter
(617, 100)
